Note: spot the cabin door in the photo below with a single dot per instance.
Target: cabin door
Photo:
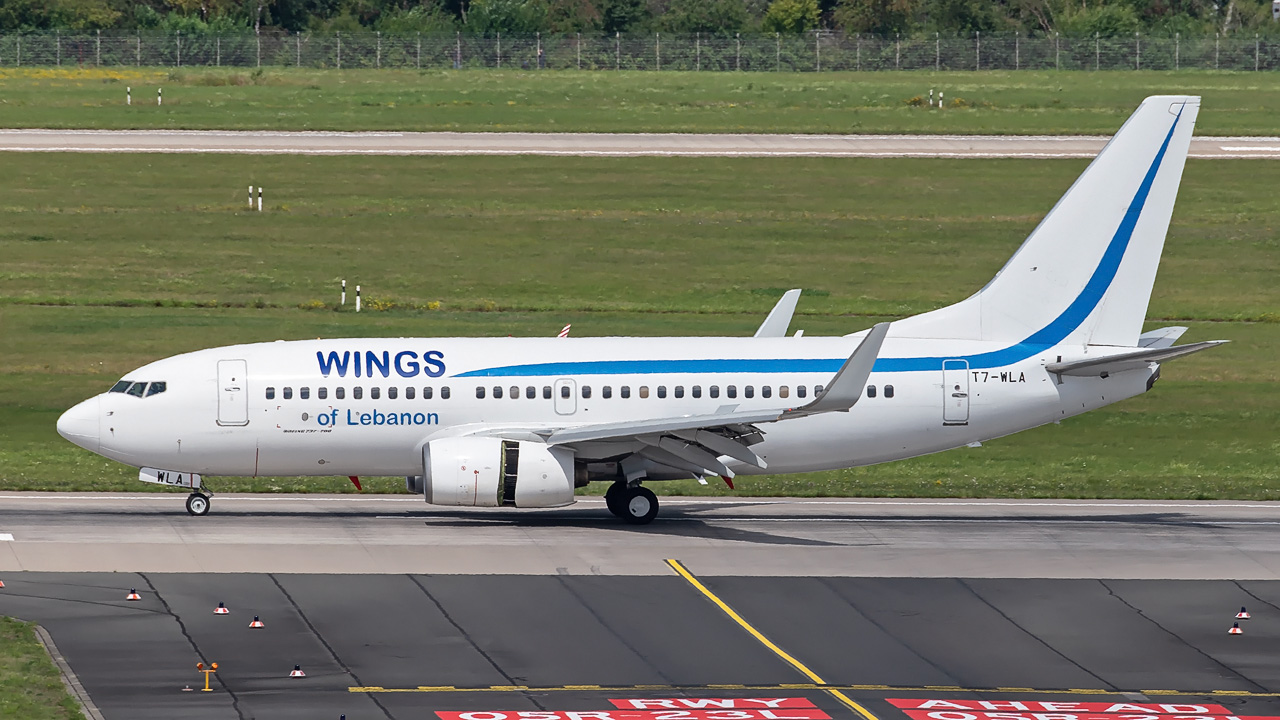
(955, 392)
(233, 392)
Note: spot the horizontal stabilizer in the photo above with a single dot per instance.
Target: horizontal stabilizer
(1136, 359)
(780, 317)
(1162, 338)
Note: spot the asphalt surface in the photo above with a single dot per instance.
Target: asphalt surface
(150, 532)
(597, 144)
(401, 640)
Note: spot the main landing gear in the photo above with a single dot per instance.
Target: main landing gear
(635, 504)
(198, 503)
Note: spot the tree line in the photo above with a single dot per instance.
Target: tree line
(1072, 18)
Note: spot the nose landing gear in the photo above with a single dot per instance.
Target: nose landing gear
(635, 504)
(198, 503)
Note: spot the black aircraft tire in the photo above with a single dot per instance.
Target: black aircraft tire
(640, 506)
(613, 499)
(198, 504)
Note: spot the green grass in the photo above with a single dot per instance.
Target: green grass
(113, 261)
(30, 686)
(1235, 103)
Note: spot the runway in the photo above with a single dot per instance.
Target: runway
(830, 609)
(150, 532)
(597, 144)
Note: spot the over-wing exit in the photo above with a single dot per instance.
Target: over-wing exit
(522, 422)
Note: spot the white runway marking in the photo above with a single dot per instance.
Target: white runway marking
(6, 537)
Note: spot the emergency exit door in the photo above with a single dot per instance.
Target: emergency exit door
(233, 392)
(955, 392)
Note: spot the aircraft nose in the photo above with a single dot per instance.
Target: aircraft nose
(80, 425)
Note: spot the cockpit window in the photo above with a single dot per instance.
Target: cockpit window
(155, 388)
(120, 386)
(137, 389)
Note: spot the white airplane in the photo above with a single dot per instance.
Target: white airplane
(521, 422)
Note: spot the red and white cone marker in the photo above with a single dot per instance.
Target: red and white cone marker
(256, 623)
(1, 583)
(1243, 614)
(297, 672)
(1235, 629)
(221, 610)
(133, 594)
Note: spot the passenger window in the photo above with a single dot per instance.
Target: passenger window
(426, 393)
(586, 391)
(288, 393)
(374, 393)
(155, 388)
(644, 391)
(497, 392)
(766, 391)
(697, 391)
(531, 393)
(392, 393)
(339, 392)
(662, 391)
(357, 392)
(784, 391)
(137, 389)
(731, 391)
(120, 386)
(565, 392)
(625, 391)
(715, 391)
(479, 393)
(606, 392)
(802, 391)
(444, 393)
(322, 393)
(409, 392)
(888, 391)
(749, 391)
(679, 391)
(546, 392)
(871, 391)
(817, 390)
(271, 393)
(303, 393)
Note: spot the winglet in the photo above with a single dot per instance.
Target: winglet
(779, 319)
(846, 387)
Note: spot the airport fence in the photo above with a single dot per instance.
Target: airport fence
(808, 52)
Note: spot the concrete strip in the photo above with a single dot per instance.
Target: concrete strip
(596, 144)
(69, 678)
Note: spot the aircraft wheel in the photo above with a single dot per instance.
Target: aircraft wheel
(198, 504)
(640, 506)
(613, 498)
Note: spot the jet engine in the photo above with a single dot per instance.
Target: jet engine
(491, 472)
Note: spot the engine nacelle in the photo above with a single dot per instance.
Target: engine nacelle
(491, 472)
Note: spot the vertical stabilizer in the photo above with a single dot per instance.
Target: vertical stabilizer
(1084, 276)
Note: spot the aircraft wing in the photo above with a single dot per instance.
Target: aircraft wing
(779, 319)
(1133, 360)
(694, 442)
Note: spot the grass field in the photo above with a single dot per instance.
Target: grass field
(30, 687)
(1235, 103)
(140, 257)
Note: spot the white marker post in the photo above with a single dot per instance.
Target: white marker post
(159, 96)
(259, 198)
(250, 197)
(344, 293)
(939, 99)
(930, 97)
(357, 298)
(128, 96)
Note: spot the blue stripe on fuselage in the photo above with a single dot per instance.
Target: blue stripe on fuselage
(1038, 342)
